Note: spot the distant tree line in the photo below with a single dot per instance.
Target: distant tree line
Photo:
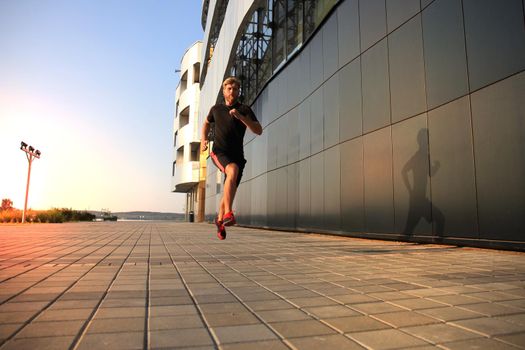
(9, 214)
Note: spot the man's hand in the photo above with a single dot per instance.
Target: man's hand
(234, 113)
(204, 145)
(254, 126)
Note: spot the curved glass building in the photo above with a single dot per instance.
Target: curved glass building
(382, 118)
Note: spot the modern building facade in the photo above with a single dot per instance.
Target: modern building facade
(187, 175)
(395, 119)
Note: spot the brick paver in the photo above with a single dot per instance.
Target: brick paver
(158, 285)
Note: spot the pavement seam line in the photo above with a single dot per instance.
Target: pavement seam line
(81, 333)
(305, 311)
(279, 335)
(25, 324)
(212, 334)
(60, 257)
(147, 313)
(57, 271)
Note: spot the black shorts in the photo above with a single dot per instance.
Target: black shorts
(221, 160)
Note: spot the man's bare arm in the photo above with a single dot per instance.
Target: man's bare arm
(253, 125)
(204, 135)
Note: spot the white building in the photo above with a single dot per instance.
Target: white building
(186, 170)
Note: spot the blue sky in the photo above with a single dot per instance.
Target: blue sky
(91, 83)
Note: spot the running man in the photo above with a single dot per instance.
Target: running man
(231, 119)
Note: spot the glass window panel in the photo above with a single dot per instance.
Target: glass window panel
(314, 13)
(294, 25)
(264, 49)
(309, 17)
(322, 9)
(279, 34)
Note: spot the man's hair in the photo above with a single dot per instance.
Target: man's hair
(231, 81)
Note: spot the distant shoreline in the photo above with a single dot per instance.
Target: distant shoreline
(143, 216)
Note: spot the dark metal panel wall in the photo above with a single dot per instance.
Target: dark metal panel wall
(273, 139)
(317, 111)
(332, 189)
(271, 209)
(451, 153)
(304, 218)
(330, 47)
(348, 31)
(379, 201)
(292, 173)
(316, 61)
(352, 186)
(498, 119)
(350, 103)
(425, 3)
(317, 190)
(331, 111)
(406, 69)
(281, 198)
(399, 11)
(376, 87)
(281, 131)
(293, 136)
(445, 55)
(372, 22)
(303, 81)
(304, 129)
(495, 37)
(413, 209)
(386, 138)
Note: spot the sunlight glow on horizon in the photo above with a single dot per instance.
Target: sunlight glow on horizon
(60, 178)
(93, 90)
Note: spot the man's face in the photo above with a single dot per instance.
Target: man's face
(230, 92)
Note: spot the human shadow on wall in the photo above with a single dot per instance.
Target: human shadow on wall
(418, 201)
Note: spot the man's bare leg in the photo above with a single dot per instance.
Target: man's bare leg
(230, 188)
(221, 209)
(221, 231)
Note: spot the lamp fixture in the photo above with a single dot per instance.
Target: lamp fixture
(31, 154)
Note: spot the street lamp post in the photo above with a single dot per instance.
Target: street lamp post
(31, 154)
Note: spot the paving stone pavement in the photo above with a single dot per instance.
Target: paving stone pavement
(158, 285)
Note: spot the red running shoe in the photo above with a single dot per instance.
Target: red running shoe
(221, 231)
(228, 219)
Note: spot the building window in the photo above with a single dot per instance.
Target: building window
(175, 139)
(194, 156)
(180, 155)
(275, 31)
(253, 60)
(215, 29)
(279, 32)
(309, 16)
(184, 82)
(184, 117)
(314, 13)
(173, 168)
(294, 36)
(196, 72)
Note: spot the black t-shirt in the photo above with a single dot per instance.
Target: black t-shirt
(229, 131)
